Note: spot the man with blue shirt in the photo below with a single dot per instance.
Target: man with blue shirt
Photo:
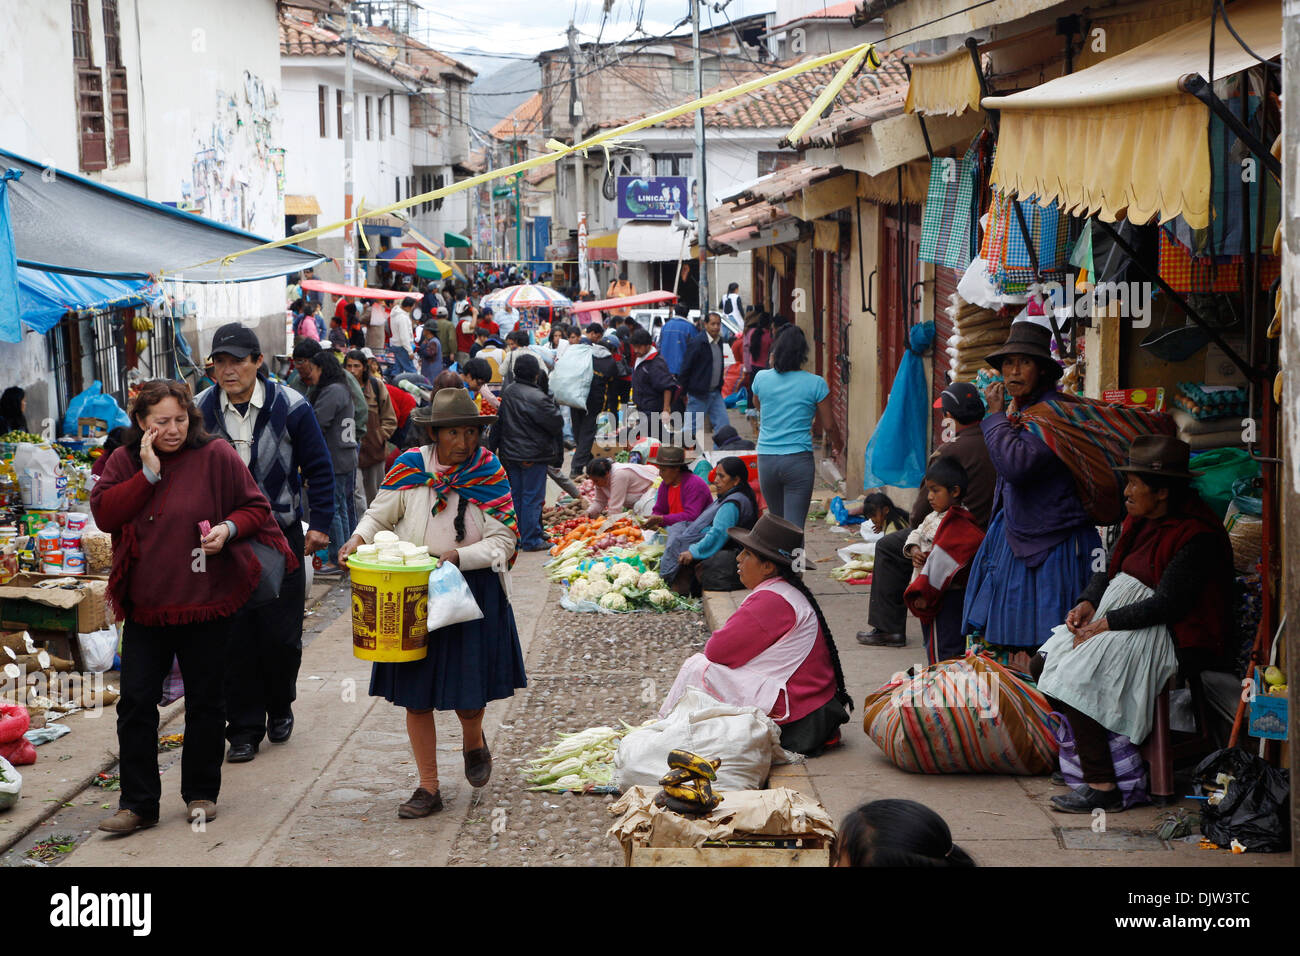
(701, 377)
(673, 339)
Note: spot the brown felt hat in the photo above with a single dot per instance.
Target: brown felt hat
(1159, 455)
(772, 538)
(1034, 340)
(451, 406)
(671, 456)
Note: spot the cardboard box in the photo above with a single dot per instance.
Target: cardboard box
(1219, 369)
(56, 609)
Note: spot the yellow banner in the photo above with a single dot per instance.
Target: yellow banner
(855, 54)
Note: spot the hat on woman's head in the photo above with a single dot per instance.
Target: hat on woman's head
(1032, 339)
(1159, 455)
(773, 538)
(671, 456)
(451, 406)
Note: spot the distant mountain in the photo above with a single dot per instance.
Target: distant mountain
(519, 78)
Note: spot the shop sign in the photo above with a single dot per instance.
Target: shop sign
(1152, 398)
(658, 198)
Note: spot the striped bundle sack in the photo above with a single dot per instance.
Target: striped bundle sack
(969, 715)
(1092, 439)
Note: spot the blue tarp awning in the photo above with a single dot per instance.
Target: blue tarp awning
(66, 223)
(44, 297)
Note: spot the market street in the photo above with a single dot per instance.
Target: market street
(328, 796)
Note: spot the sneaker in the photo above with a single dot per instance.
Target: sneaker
(1084, 799)
(329, 571)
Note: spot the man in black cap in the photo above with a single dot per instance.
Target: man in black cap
(961, 438)
(275, 432)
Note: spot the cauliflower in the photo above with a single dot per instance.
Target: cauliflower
(614, 601)
(662, 597)
(650, 581)
(597, 572)
(625, 571)
(579, 590)
(597, 589)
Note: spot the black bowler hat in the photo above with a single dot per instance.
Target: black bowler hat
(235, 339)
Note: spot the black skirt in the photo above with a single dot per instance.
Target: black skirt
(467, 665)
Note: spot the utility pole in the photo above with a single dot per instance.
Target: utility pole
(701, 171)
(349, 231)
(514, 158)
(579, 171)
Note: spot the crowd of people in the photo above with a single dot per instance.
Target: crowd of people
(424, 419)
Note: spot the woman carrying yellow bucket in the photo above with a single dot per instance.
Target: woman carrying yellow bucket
(426, 499)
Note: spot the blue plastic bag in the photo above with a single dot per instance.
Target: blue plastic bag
(93, 403)
(896, 453)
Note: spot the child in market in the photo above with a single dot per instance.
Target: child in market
(941, 549)
(896, 833)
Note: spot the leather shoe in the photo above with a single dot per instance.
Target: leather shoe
(278, 729)
(421, 804)
(241, 753)
(204, 810)
(478, 764)
(1084, 799)
(1058, 778)
(127, 821)
(874, 638)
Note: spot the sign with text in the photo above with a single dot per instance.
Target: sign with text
(657, 198)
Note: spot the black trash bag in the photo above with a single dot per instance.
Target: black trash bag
(1255, 811)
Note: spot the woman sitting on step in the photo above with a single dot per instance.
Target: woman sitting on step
(775, 652)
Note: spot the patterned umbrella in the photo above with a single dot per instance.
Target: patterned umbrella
(525, 297)
(415, 262)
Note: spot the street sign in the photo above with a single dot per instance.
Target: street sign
(657, 198)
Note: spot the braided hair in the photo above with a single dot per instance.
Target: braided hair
(459, 523)
(793, 578)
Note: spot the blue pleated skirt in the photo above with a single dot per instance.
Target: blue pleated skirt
(1012, 605)
(467, 665)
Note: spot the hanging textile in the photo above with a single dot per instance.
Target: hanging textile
(1201, 274)
(948, 222)
(1005, 249)
(896, 453)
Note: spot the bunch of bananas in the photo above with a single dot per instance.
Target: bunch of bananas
(142, 322)
(688, 785)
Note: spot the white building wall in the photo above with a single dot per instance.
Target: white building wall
(203, 90)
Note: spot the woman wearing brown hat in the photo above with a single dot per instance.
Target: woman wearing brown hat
(1039, 547)
(452, 496)
(682, 496)
(776, 651)
(1170, 574)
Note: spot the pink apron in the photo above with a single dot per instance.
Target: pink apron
(761, 681)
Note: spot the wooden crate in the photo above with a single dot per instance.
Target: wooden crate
(814, 852)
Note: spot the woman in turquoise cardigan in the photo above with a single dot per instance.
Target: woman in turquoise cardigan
(693, 546)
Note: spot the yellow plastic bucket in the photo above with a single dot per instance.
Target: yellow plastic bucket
(390, 610)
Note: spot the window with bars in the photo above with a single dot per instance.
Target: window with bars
(338, 109)
(116, 84)
(91, 130)
(368, 129)
(381, 118)
(322, 100)
(673, 164)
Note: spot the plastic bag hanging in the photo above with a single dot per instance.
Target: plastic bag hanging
(896, 453)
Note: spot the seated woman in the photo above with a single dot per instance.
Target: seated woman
(1170, 575)
(775, 652)
(698, 549)
(683, 495)
(621, 487)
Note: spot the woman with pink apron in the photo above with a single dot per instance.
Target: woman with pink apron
(775, 652)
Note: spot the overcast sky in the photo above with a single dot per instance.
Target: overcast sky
(526, 27)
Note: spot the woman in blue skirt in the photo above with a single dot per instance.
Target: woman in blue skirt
(1040, 547)
(452, 496)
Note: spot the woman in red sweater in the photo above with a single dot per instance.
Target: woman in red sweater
(177, 585)
(776, 651)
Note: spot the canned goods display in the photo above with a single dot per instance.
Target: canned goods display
(52, 561)
(74, 562)
(71, 540)
(77, 520)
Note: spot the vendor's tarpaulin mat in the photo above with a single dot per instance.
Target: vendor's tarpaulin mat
(63, 222)
(742, 814)
(969, 715)
(1256, 805)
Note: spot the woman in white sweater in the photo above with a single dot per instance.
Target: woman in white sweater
(452, 496)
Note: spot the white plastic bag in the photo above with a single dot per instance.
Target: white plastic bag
(38, 471)
(746, 740)
(11, 784)
(450, 599)
(571, 380)
(99, 648)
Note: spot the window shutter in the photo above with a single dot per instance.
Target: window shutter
(91, 132)
(119, 112)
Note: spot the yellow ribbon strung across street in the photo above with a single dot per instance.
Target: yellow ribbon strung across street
(855, 54)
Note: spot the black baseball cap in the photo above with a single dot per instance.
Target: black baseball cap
(962, 401)
(306, 349)
(235, 339)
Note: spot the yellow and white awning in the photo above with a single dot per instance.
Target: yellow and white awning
(1120, 138)
(943, 85)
